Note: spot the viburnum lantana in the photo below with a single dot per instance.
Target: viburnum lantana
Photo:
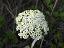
(31, 23)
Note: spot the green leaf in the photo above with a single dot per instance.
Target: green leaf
(58, 35)
(49, 3)
(1, 43)
(2, 21)
(11, 37)
(59, 14)
(53, 45)
(62, 45)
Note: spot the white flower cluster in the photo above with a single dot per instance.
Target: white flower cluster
(31, 23)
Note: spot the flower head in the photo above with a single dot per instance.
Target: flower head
(31, 23)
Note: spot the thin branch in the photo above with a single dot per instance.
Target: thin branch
(45, 5)
(37, 2)
(1, 7)
(9, 11)
(12, 9)
(41, 42)
(54, 6)
(35, 40)
(9, 5)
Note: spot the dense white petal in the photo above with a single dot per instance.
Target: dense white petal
(31, 22)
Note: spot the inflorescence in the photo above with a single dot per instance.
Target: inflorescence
(31, 23)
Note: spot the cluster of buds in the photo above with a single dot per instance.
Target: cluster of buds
(31, 23)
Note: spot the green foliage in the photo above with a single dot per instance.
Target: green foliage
(59, 11)
(59, 15)
(62, 45)
(57, 40)
(33, 7)
(53, 45)
(58, 35)
(10, 37)
(2, 21)
(1, 43)
(49, 3)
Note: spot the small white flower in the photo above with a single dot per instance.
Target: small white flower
(31, 22)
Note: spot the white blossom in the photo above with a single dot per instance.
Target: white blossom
(31, 23)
